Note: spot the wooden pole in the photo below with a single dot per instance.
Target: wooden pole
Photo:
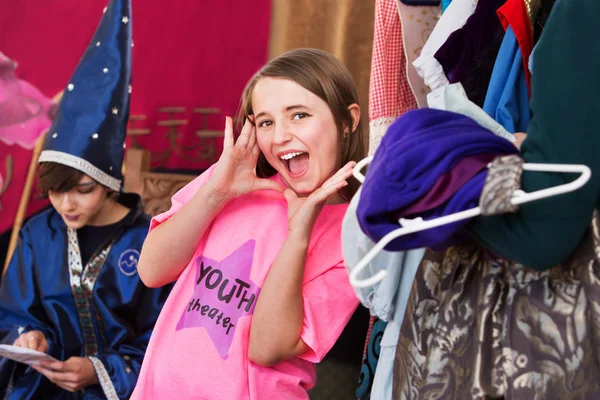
(25, 196)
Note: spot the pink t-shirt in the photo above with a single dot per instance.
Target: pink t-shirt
(199, 347)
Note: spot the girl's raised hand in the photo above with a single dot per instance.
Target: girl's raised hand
(303, 211)
(235, 172)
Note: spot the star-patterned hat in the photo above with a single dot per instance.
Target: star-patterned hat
(89, 129)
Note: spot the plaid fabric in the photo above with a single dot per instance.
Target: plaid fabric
(390, 94)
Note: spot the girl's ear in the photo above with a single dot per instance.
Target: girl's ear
(355, 113)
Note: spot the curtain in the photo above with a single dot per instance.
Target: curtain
(187, 53)
(344, 28)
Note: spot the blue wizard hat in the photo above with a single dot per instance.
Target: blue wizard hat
(88, 132)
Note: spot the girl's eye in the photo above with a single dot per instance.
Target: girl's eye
(266, 123)
(87, 190)
(300, 115)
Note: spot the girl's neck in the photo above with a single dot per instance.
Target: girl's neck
(111, 212)
(335, 199)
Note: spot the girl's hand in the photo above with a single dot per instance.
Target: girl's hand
(73, 375)
(34, 340)
(520, 136)
(303, 211)
(235, 172)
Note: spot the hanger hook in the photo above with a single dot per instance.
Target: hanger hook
(356, 171)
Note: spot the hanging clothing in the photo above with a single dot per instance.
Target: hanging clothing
(454, 98)
(457, 53)
(469, 53)
(418, 148)
(448, 184)
(453, 18)
(386, 300)
(371, 361)
(382, 387)
(103, 311)
(380, 299)
(564, 129)
(417, 22)
(445, 4)
(530, 66)
(390, 94)
(541, 17)
(481, 327)
(507, 99)
(519, 15)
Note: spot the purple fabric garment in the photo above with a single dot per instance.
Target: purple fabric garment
(459, 55)
(417, 149)
(448, 184)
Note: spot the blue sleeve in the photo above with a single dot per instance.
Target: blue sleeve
(118, 368)
(20, 302)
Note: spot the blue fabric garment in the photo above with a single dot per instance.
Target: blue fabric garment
(386, 300)
(507, 98)
(37, 294)
(382, 383)
(530, 64)
(419, 147)
(370, 363)
(381, 298)
(445, 4)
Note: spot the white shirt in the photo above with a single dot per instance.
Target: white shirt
(453, 98)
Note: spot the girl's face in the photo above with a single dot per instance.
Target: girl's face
(296, 132)
(82, 205)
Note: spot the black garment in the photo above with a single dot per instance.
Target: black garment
(541, 16)
(92, 238)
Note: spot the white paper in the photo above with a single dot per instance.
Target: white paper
(23, 355)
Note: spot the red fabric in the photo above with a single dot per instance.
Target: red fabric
(514, 13)
(369, 331)
(389, 91)
(187, 53)
(390, 94)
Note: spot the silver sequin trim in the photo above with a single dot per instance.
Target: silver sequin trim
(81, 165)
(107, 386)
(503, 179)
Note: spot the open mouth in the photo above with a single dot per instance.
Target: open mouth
(296, 163)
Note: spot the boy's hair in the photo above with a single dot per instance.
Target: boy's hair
(324, 75)
(55, 177)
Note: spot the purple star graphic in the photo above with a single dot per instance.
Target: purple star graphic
(223, 293)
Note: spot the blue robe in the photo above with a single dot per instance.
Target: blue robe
(103, 312)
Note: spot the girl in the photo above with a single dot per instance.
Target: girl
(254, 244)
(47, 306)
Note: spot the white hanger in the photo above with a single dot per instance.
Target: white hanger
(418, 224)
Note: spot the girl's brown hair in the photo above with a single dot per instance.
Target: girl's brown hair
(324, 75)
(55, 177)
